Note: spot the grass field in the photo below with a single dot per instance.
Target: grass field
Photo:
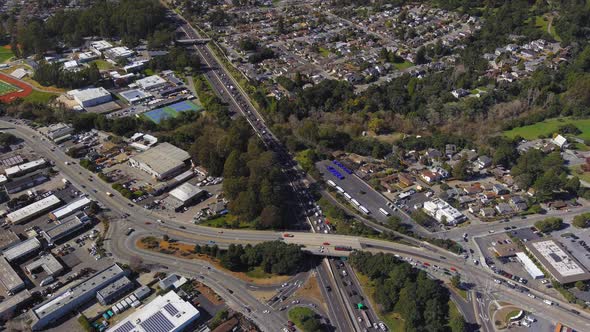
(103, 64)
(548, 127)
(577, 171)
(6, 88)
(5, 53)
(299, 314)
(403, 65)
(324, 52)
(40, 96)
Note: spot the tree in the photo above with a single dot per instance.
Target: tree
(458, 324)
(582, 286)
(270, 217)
(582, 220)
(421, 56)
(456, 281)
(461, 169)
(549, 225)
(165, 237)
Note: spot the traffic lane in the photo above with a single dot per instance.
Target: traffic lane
(352, 292)
(335, 310)
(229, 287)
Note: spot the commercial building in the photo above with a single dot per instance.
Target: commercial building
(165, 313)
(22, 249)
(100, 46)
(57, 132)
(184, 195)
(153, 82)
(3, 179)
(72, 298)
(9, 278)
(24, 168)
(114, 291)
(46, 263)
(25, 183)
(65, 227)
(443, 212)
(135, 96)
(161, 161)
(172, 280)
(10, 306)
(529, 266)
(143, 142)
(8, 238)
(554, 258)
(30, 211)
(142, 292)
(70, 209)
(118, 52)
(91, 96)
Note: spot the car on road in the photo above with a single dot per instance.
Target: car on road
(288, 235)
(211, 242)
(326, 243)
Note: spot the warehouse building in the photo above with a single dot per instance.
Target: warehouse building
(166, 312)
(11, 281)
(30, 211)
(529, 266)
(57, 132)
(114, 291)
(46, 263)
(91, 96)
(25, 183)
(153, 82)
(135, 96)
(161, 161)
(71, 299)
(8, 238)
(184, 195)
(11, 305)
(70, 209)
(119, 52)
(25, 168)
(65, 227)
(554, 258)
(22, 249)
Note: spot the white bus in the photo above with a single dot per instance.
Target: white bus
(364, 209)
(347, 196)
(385, 213)
(355, 202)
(340, 189)
(330, 182)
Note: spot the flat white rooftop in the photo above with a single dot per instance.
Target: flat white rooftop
(165, 313)
(560, 264)
(32, 209)
(22, 249)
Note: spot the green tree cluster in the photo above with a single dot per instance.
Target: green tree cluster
(582, 220)
(421, 301)
(54, 74)
(549, 225)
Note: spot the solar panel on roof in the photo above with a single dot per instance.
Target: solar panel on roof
(157, 323)
(171, 309)
(127, 327)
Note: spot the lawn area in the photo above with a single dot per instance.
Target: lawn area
(259, 273)
(403, 65)
(392, 319)
(300, 314)
(40, 96)
(225, 221)
(103, 64)
(324, 52)
(453, 311)
(5, 53)
(577, 171)
(548, 127)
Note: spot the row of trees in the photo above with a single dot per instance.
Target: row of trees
(54, 74)
(272, 257)
(421, 301)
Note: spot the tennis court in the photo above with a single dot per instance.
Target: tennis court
(172, 111)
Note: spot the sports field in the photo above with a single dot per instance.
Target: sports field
(172, 111)
(548, 127)
(6, 88)
(11, 89)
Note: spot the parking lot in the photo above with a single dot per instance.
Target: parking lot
(360, 191)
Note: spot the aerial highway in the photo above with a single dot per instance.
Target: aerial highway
(479, 275)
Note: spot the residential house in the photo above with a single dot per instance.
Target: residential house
(484, 161)
(504, 208)
(499, 189)
(560, 141)
(487, 212)
(429, 176)
(518, 203)
(405, 180)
